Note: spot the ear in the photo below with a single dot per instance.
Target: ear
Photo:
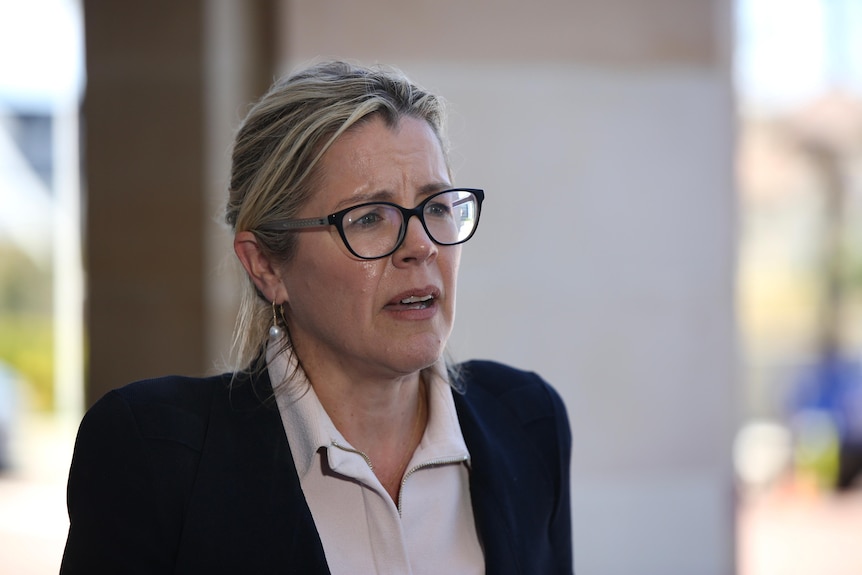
(259, 267)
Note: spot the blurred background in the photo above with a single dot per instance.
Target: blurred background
(672, 237)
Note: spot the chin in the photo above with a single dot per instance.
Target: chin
(417, 359)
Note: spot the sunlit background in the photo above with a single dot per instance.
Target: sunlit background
(799, 165)
(798, 76)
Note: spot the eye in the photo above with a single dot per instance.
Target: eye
(438, 210)
(372, 218)
(365, 217)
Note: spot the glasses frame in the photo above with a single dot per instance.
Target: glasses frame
(337, 219)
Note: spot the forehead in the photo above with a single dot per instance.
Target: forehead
(376, 158)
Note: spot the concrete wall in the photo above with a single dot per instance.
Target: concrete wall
(603, 135)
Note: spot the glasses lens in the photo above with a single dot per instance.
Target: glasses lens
(451, 217)
(372, 230)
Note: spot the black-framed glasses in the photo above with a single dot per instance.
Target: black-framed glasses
(375, 230)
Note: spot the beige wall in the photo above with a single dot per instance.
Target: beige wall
(607, 33)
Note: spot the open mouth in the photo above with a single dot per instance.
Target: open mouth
(417, 302)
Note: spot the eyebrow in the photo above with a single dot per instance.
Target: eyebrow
(388, 195)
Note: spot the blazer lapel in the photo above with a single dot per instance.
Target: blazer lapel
(491, 478)
(247, 494)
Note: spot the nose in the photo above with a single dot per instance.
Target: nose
(417, 247)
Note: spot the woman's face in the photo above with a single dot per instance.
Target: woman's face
(362, 316)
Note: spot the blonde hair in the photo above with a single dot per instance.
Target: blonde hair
(276, 158)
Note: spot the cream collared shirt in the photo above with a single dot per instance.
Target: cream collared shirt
(362, 530)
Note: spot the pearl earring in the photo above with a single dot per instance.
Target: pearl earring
(275, 331)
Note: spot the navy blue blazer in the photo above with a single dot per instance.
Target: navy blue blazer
(186, 476)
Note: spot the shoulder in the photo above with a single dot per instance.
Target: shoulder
(173, 390)
(171, 408)
(135, 463)
(524, 393)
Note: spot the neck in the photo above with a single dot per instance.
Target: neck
(371, 414)
(385, 420)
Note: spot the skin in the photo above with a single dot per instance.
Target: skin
(361, 349)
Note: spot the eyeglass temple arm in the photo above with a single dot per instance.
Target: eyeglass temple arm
(297, 224)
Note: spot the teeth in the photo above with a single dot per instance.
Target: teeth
(415, 299)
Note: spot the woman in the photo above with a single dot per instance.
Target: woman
(346, 445)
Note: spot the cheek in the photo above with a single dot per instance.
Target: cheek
(369, 273)
(346, 284)
(450, 267)
(449, 271)
(322, 268)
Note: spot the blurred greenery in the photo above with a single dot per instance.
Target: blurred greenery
(26, 330)
(854, 272)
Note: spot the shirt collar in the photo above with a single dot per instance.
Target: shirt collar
(310, 429)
